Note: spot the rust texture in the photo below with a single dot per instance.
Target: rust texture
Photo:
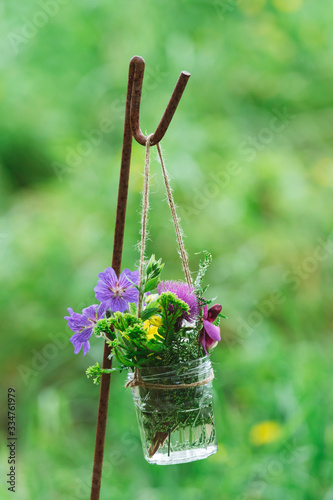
(131, 128)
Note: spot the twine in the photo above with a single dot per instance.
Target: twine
(175, 218)
(144, 216)
(137, 380)
(183, 253)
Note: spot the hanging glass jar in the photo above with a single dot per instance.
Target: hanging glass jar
(174, 407)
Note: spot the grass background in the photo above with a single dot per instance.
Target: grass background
(253, 190)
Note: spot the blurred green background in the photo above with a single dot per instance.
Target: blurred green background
(250, 155)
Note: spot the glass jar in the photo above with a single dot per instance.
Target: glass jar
(177, 425)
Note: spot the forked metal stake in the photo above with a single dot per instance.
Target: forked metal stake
(131, 129)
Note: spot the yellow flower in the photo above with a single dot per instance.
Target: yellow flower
(155, 320)
(265, 432)
(151, 326)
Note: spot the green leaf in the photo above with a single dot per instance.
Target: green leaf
(153, 268)
(133, 308)
(104, 326)
(155, 346)
(151, 284)
(149, 312)
(96, 372)
(123, 359)
(203, 266)
(170, 315)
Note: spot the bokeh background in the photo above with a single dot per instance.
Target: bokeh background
(251, 159)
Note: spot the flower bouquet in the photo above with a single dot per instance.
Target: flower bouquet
(161, 332)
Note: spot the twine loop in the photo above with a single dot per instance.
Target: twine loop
(175, 218)
(137, 379)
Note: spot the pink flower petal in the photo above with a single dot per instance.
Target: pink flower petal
(209, 342)
(212, 331)
(213, 312)
(205, 312)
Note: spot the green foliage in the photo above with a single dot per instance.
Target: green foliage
(133, 309)
(123, 321)
(151, 285)
(185, 346)
(131, 346)
(96, 372)
(103, 326)
(203, 267)
(148, 312)
(151, 275)
(172, 308)
(198, 287)
(153, 270)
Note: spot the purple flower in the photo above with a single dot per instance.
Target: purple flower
(210, 334)
(114, 293)
(82, 325)
(183, 292)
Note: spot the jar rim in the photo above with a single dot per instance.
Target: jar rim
(201, 360)
(186, 368)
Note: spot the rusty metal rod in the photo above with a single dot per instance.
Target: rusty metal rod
(136, 100)
(116, 264)
(131, 127)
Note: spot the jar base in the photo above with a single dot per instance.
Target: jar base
(182, 457)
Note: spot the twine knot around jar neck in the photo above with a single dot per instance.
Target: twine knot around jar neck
(138, 381)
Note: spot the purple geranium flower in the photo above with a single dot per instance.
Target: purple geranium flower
(210, 333)
(82, 325)
(114, 293)
(183, 292)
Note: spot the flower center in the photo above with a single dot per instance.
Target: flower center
(116, 290)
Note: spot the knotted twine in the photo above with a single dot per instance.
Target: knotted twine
(137, 379)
